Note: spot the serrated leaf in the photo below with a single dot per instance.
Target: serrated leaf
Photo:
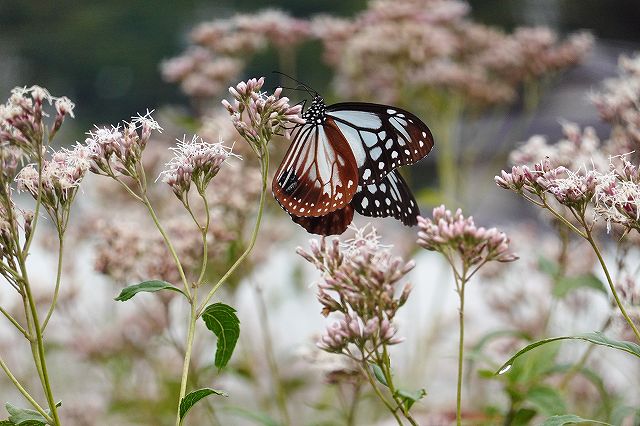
(222, 320)
(146, 286)
(24, 416)
(595, 338)
(192, 398)
(565, 285)
(547, 400)
(377, 372)
(569, 419)
(410, 397)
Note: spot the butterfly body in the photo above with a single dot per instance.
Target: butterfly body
(344, 158)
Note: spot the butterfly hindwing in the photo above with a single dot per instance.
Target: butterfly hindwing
(319, 174)
(389, 197)
(381, 137)
(334, 223)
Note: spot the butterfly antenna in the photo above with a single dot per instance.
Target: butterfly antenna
(309, 90)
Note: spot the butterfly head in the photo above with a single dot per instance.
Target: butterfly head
(315, 114)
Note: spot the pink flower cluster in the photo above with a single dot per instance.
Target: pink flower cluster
(619, 103)
(618, 197)
(421, 45)
(22, 118)
(360, 282)
(119, 150)
(194, 161)
(58, 180)
(221, 48)
(258, 116)
(456, 236)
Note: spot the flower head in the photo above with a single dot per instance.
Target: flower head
(22, 118)
(194, 161)
(456, 236)
(60, 178)
(360, 282)
(258, 116)
(119, 149)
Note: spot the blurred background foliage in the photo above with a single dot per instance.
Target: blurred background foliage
(106, 55)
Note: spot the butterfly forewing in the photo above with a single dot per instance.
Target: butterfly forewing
(319, 174)
(389, 197)
(381, 137)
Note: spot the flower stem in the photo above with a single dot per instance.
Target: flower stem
(172, 250)
(24, 392)
(254, 235)
(365, 368)
(13, 321)
(589, 238)
(188, 349)
(58, 279)
(39, 355)
(460, 353)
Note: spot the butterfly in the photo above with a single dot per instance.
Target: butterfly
(344, 159)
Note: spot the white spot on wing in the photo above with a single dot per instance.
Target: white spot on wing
(376, 152)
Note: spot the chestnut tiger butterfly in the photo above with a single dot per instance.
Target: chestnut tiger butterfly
(344, 158)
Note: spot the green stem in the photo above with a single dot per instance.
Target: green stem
(254, 235)
(365, 368)
(58, 279)
(167, 241)
(40, 348)
(460, 356)
(24, 392)
(386, 369)
(589, 238)
(15, 323)
(189, 348)
(205, 231)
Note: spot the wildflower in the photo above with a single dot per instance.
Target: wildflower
(258, 116)
(434, 46)
(360, 282)
(617, 198)
(194, 161)
(59, 179)
(618, 101)
(451, 233)
(10, 159)
(22, 118)
(119, 150)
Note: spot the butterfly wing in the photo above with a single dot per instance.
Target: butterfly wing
(381, 137)
(319, 174)
(389, 197)
(334, 223)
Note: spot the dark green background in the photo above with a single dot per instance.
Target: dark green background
(105, 55)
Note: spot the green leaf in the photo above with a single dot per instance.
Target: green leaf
(523, 416)
(223, 321)
(377, 371)
(595, 338)
(548, 267)
(547, 400)
(24, 416)
(192, 398)
(569, 419)
(6, 423)
(147, 286)
(565, 285)
(410, 397)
